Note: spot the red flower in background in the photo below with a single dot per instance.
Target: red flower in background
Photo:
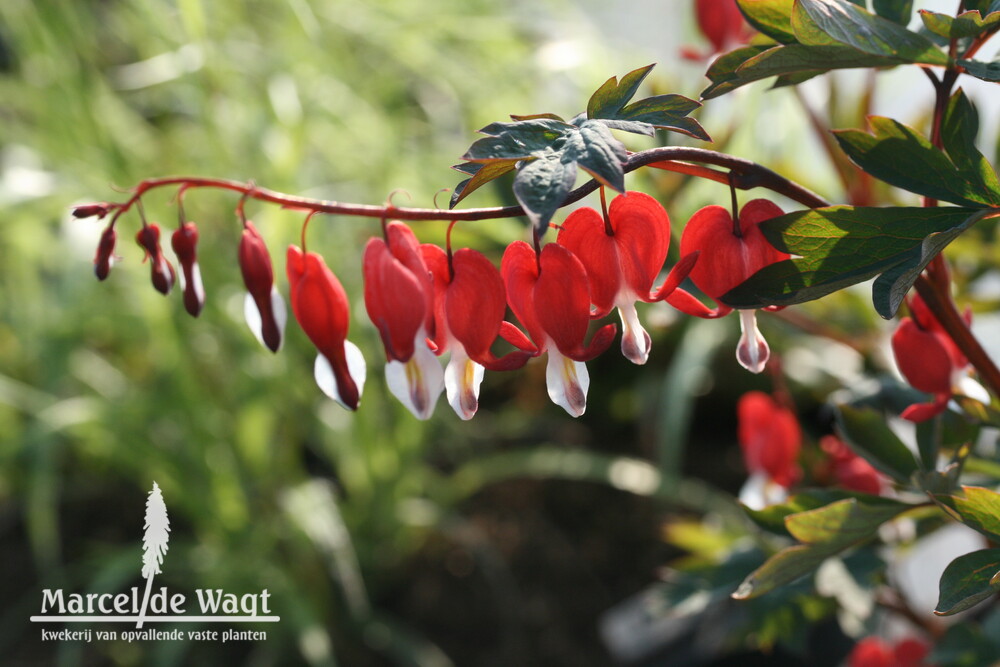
(928, 359)
(849, 470)
(770, 439)
(263, 308)
(729, 254)
(470, 304)
(875, 652)
(399, 298)
(548, 293)
(321, 309)
(185, 242)
(622, 257)
(162, 273)
(722, 24)
(105, 256)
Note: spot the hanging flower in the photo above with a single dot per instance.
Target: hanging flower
(399, 298)
(729, 254)
(770, 439)
(929, 360)
(184, 242)
(470, 304)
(549, 295)
(263, 308)
(849, 470)
(320, 306)
(623, 255)
(722, 24)
(162, 272)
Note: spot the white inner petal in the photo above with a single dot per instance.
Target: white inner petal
(567, 382)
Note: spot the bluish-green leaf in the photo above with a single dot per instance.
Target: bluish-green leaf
(839, 246)
(897, 11)
(900, 156)
(518, 140)
(542, 184)
(867, 433)
(968, 580)
(845, 23)
(600, 154)
(986, 71)
(668, 112)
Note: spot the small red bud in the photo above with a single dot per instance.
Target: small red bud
(162, 272)
(184, 242)
(90, 210)
(105, 253)
(258, 276)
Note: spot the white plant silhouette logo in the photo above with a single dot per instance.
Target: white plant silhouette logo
(154, 543)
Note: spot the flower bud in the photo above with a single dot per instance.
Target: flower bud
(105, 253)
(264, 308)
(90, 210)
(184, 242)
(162, 272)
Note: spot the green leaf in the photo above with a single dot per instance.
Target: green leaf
(985, 71)
(517, 141)
(820, 21)
(538, 116)
(968, 580)
(482, 173)
(602, 156)
(667, 112)
(890, 288)
(959, 128)
(754, 63)
(612, 96)
(771, 17)
(966, 24)
(772, 517)
(839, 246)
(826, 531)
(976, 507)
(900, 156)
(897, 11)
(542, 184)
(865, 430)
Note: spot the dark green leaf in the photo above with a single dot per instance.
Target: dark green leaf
(966, 24)
(598, 152)
(977, 508)
(542, 184)
(796, 79)
(667, 112)
(897, 11)
(891, 287)
(772, 517)
(611, 97)
(870, 437)
(538, 116)
(635, 127)
(985, 71)
(771, 17)
(827, 531)
(959, 128)
(517, 141)
(964, 645)
(839, 246)
(900, 156)
(819, 21)
(753, 63)
(968, 580)
(482, 173)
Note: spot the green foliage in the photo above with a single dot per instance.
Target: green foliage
(968, 580)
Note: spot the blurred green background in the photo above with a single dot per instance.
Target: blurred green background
(382, 540)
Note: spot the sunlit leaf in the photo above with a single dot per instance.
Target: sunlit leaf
(771, 17)
(976, 507)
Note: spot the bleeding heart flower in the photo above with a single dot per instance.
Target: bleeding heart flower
(722, 24)
(399, 297)
(928, 358)
(729, 254)
(105, 256)
(876, 652)
(263, 308)
(548, 293)
(470, 304)
(321, 309)
(622, 257)
(849, 470)
(184, 242)
(770, 439)
(163, 275)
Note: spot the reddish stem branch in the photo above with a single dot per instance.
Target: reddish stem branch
(746, 175)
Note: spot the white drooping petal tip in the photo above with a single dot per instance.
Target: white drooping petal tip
(636, 343)
(567, 382)
(417, 383)
(256, 324)
(760, 491)
(462, 378)
(356, 367)
(752, 351)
